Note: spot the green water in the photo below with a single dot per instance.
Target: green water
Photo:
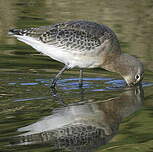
(30, 113)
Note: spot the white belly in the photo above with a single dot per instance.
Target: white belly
(68, 57)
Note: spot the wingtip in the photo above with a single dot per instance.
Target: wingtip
(10, 32)
(14, 32)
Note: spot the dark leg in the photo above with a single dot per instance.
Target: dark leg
(53, 84)
(57, 96)
(81, 78)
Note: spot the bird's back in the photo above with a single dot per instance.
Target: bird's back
(81, 37)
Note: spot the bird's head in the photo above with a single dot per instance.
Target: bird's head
(132, 70)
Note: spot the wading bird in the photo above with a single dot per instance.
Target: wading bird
(82, 44)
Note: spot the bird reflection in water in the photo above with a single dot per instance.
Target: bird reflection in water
(82, 127)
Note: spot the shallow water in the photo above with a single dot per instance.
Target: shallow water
(102, 116)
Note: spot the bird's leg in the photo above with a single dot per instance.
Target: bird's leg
(57, 96)
(53, 84)
(81, 78)
(82, 95)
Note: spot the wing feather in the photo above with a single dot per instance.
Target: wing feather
(73, 35)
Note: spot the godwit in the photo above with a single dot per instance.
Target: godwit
(82, 44)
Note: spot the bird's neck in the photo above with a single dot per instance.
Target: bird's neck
(114, 63)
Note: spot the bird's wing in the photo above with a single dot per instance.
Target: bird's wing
(73, 35)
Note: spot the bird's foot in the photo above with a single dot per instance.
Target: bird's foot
(80, 85)
(57, 96)
(53, 86)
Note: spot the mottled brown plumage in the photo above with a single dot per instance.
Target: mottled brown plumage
(76, 35)
(82, 44)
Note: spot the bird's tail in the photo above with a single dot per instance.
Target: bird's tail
(16, 32)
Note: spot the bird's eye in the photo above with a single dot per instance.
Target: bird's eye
(137, 77)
